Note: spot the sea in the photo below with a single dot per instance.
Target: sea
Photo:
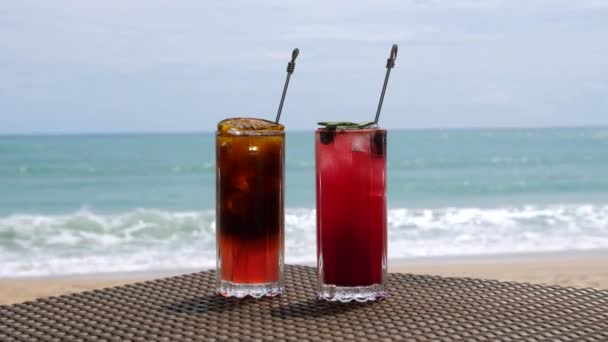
(82, 204)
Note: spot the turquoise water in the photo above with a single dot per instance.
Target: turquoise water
(78, 204)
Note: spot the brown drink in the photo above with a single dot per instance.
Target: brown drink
(250, 168)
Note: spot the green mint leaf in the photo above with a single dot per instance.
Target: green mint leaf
(366, 124)
(345, 124)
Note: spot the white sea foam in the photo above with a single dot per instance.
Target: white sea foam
(88, 242)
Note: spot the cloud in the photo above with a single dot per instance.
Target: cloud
(117, 61)
(595, 4)
(360, 33)
(463, 3)
(493, 95)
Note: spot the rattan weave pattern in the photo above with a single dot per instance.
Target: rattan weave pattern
(424, 308)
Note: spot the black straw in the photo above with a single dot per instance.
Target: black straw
(290, 68)
(390, 63)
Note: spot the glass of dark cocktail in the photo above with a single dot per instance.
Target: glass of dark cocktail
(351, 213)
(249, 213)
(250, 159)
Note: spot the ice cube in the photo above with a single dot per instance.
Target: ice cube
(360, 143)
(326, 137)
(240, 182)
(378, 143)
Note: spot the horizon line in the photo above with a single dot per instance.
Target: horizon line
(189, 132)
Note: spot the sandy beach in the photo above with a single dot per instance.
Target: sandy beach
(578, 269)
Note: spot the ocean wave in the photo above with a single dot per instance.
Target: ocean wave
(145, 239)
(87, 242)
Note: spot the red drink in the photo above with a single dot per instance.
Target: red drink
(351, 213)
(249, 213)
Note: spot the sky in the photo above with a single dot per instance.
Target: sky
(152, 65)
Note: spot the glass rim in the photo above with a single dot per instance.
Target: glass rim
(351, 130)
(261, 133)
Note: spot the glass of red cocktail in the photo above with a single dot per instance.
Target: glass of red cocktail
(351, 207)
(351, 213)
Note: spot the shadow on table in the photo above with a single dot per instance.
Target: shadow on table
(314, 307)
(207, 303)
(213, 303)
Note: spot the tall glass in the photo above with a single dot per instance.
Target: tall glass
(249, 208)
(351, 213)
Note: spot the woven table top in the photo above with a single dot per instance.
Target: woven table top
(424, 308)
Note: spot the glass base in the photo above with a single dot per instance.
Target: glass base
(345, 294)
(230, 289)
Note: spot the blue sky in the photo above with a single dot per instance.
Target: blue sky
(138, 66)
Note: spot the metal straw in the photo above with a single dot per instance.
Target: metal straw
(290, 68)
(390, 63)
